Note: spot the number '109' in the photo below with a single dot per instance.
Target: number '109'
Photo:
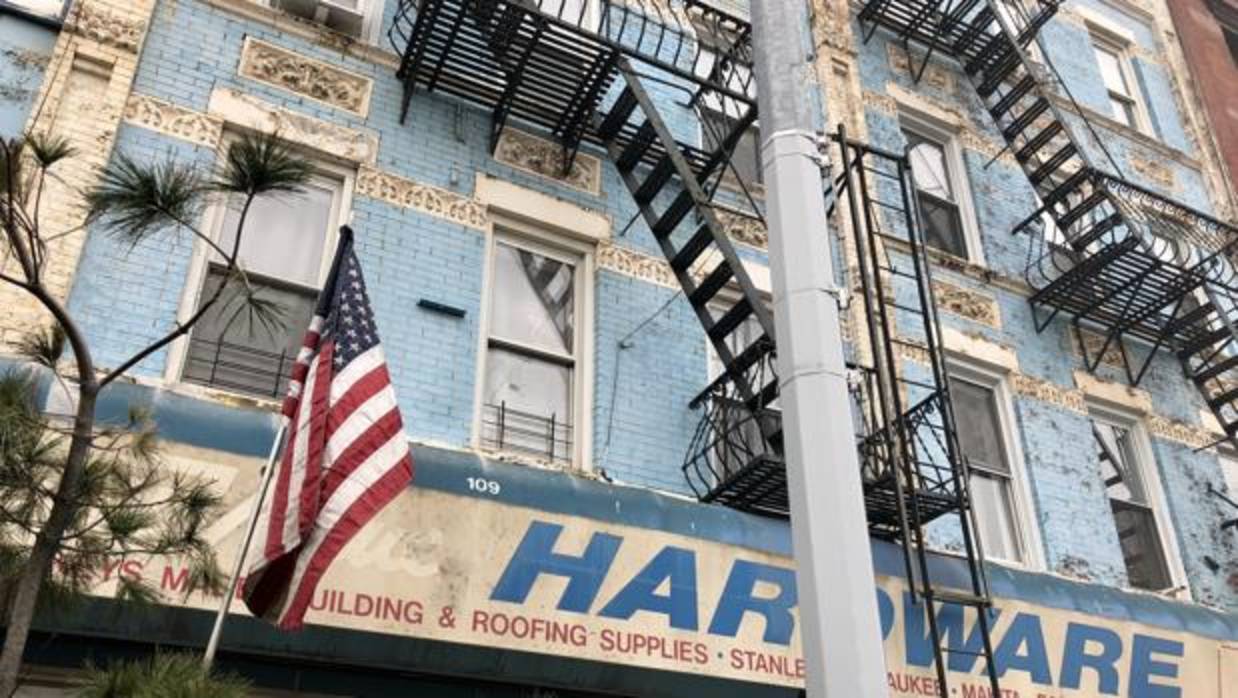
(484, 486)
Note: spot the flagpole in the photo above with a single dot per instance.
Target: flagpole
(213, 644)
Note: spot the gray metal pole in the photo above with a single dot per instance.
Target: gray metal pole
(225, 604)
(839, 622)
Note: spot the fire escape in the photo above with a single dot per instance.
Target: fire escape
(587, 73)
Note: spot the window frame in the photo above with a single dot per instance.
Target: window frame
(543, 240)
(947, 137)
(201, 259)
(371, 24)
(1150, 479)
(708, 105)
(1116, 42)
(1024, 516)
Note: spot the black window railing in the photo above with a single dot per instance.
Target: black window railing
(239, 367)
(516, 431)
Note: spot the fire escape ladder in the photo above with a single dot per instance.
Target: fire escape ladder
(913, 470)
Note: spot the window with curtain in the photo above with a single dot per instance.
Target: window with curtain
(530, 363)
(1122, 472)
(937, 191)
(983, 442)
(282, 253)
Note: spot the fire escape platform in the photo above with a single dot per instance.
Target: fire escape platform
(551, 73)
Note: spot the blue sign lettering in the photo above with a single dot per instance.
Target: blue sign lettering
(1076, 656)
(535, 556)
(674, 565)
(1144, 667)
(738, 598)
(1023, 649)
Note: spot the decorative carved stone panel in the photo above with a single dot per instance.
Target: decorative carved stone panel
(635, 264)
(93, 21)
(424, 198)
(305, 76)
(934, 76)
(968, 304)
(236, 107)
(542, 157)
(173, 120)
(742, 227)
(1045, 391)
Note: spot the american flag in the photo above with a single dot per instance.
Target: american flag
(344, 456)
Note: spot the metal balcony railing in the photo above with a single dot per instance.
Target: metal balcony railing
(547, 437)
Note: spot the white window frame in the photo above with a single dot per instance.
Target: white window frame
(372, 11)
(1114, 39)
(931, 129)
(212, 221)
(1150, 478)
(582, 255)
(1027, 528)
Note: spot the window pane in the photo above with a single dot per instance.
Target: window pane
(975, 409)
(535, 399)
(1111, 70)
(284, 233)
(1141, 546)
(928, 167)
(746, 157)
(943, 225)
(993, 506)
(1123, 110)
(1116, 454)
(232, 350)
(532, 301)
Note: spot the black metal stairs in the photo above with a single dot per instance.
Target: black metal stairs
(1117, 259)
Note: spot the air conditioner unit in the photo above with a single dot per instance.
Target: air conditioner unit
(343, 16)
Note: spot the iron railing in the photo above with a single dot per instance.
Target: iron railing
(238, 367)
(504, 428)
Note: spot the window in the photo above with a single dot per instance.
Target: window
(981, 413)
(284, 253)
(719, 113)
(1121, 459)
(746, 159)
(1116, 72)
(42, 8)
(744, 440)
(357, 18)
(529, 390)
(941, 191)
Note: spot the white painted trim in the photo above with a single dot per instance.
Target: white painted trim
(947, 134)
(542, 211)
(583, 256)
(212, 219)
(996, 377)
(1150, 475)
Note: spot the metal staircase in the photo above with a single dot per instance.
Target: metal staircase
(1119, 260)
(590, 77)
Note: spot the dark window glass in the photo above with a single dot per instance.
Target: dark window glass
(746, 159)
(1146, 566)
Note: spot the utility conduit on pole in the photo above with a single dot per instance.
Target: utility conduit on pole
(839, 622)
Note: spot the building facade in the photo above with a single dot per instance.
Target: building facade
(1209, 42)
(549, 200)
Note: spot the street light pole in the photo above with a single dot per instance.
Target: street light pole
(839, 622)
